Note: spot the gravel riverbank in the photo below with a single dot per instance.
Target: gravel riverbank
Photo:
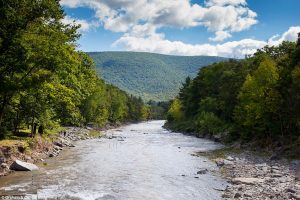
(255, 177)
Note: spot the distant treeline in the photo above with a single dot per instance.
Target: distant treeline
(45, 82)
(254, 99)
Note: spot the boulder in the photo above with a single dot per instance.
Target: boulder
(18, 165)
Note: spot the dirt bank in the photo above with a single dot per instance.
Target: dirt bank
(37, 149)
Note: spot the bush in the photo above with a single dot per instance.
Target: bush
(209, 123)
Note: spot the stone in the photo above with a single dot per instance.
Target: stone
(275, 168)
(228, 162)
(261, 165)
(57, 148)
(265, 169)
(237, 195)
(220, 162)
(4, 166)
(291, 190)
(59, 144)
(275, 171)
(276, 175)
(227, 195)
(247, 195)
(230, 158)
(247, 181)
(18, 165)
(202, 171)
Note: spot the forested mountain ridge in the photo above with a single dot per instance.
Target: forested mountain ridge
(148, 75)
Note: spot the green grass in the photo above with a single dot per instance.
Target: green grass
(94, 133)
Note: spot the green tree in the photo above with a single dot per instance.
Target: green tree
(259, 100)
(175, 112)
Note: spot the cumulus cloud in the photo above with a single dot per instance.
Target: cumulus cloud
(84, 25)
(234, 49)
(290, 35)
(141, 20)
(218, 16)
(220, 36)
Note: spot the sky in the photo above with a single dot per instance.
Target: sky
(228, 28)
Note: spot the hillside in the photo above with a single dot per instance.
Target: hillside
(150, 76)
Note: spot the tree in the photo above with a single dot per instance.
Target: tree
(33, 40)
(259, 100)
(175, 112)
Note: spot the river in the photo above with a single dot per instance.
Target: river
(141, 162)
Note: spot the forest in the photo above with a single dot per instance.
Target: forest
(253, 99)
(45, 82)
(148, 75)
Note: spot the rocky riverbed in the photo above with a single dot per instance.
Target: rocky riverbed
(257, 177)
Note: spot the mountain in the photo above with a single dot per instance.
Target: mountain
(151, 76)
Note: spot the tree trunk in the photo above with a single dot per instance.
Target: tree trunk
(41, 129)
(32, 126)
(34, 129)
(2, 107)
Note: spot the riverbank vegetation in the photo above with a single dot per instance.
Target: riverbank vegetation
(45, 82)
(254, 99)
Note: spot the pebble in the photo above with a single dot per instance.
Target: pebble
(202, 171)
(237, 195)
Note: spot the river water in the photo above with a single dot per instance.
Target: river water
(143, 162)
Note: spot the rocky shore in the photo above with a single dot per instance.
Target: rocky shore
(42, 148)
(257, 177)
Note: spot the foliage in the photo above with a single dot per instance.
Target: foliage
(150, 76)
(209, 123)
(254, 98)
(44, 81)
(175, 112)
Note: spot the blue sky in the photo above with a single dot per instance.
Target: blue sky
(229, 28)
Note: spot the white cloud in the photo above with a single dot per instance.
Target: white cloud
(225, 2)
(141, 20)
(220, 36)
(124, 15)
(84, 25)
(160, 45)
(289, 35)
(236, 49)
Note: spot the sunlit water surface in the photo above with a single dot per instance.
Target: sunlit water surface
(143, 162)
